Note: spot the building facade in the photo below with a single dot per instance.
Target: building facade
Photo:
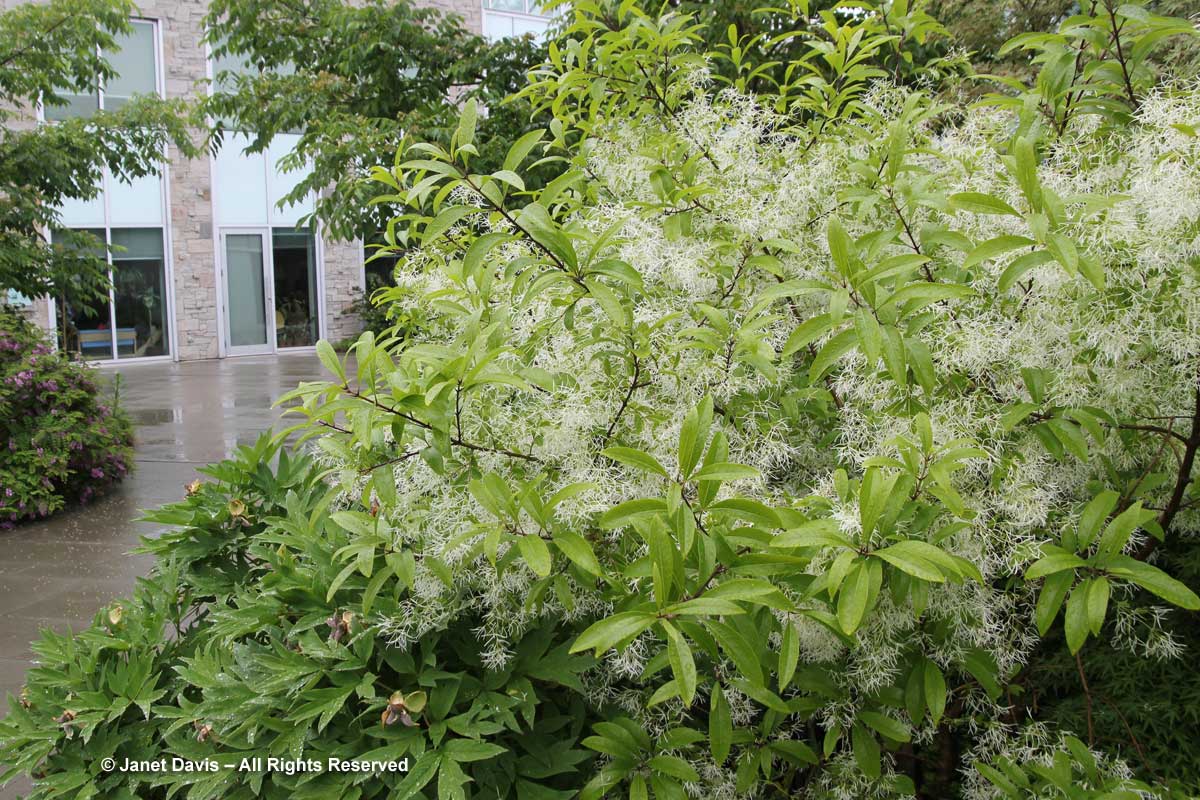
(211, 266)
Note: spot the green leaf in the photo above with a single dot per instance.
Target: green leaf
(852, 599)
(478, 251)
(635, 458)
(511, 178)
(923, 294)
(725, 471)
(890, 727)
(693, 435)
(1056, 562)
(682, 664)
(1097, 604)
(521, 148)
(789, 655)
(421, 773)
(705, 607)
(740, 651)
(608, 301)
(444, 221)
(1076, 621)
(935, 691)
(917, 567)
(794, 751)
(606, 633)
(1154, 580)
(674, 766)
(1054, 589)
(1094, 514)
(840, 246)
(536, 554)
(833, 350)
(996, 247)
(535, 219)
(1117, 534)
(468, 750)
(807, 332)
(466, 122)
(866, 751)
(329, 359)
(623, 513)
(576, 548)
(1019, 266)
(982, 667)
(979, 203)
(814, 533)
(720, 726)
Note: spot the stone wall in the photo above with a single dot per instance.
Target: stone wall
(185, 68)
(343, 288)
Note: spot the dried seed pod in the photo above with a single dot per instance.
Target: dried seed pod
(203, 731)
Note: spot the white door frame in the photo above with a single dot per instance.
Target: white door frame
(268, 267)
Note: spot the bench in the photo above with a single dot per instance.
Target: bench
(101, 339)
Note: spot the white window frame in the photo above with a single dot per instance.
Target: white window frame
(172, 353)
(524, 16)
(218, 229)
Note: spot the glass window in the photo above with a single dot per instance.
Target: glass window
(295, 261)
(132, 321)
(225, 70)
(139, 291)
(134, 65)
(84, 329)
(244, 260)
(503, 18)
(78, 105)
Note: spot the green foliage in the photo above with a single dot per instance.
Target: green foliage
(1097, 62)
(46, 49)
(354, 80)
(60, 442)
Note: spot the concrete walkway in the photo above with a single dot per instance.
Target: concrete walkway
(59, 572)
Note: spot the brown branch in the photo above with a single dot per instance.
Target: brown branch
(1087, 696)
(634, 385)
(1133, 101)
(1181, 483)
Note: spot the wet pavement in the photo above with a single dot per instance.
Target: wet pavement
(59, 572)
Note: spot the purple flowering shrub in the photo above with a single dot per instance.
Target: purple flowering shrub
(59, 443)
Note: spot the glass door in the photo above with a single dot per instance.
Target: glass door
(249, 327)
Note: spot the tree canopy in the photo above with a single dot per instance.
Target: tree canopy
(354, 81)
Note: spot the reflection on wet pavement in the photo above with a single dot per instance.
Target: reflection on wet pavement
(58, 573)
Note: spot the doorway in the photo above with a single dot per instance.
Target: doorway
(270, 290)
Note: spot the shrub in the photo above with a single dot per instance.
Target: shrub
(61, 443)
(786, 445)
